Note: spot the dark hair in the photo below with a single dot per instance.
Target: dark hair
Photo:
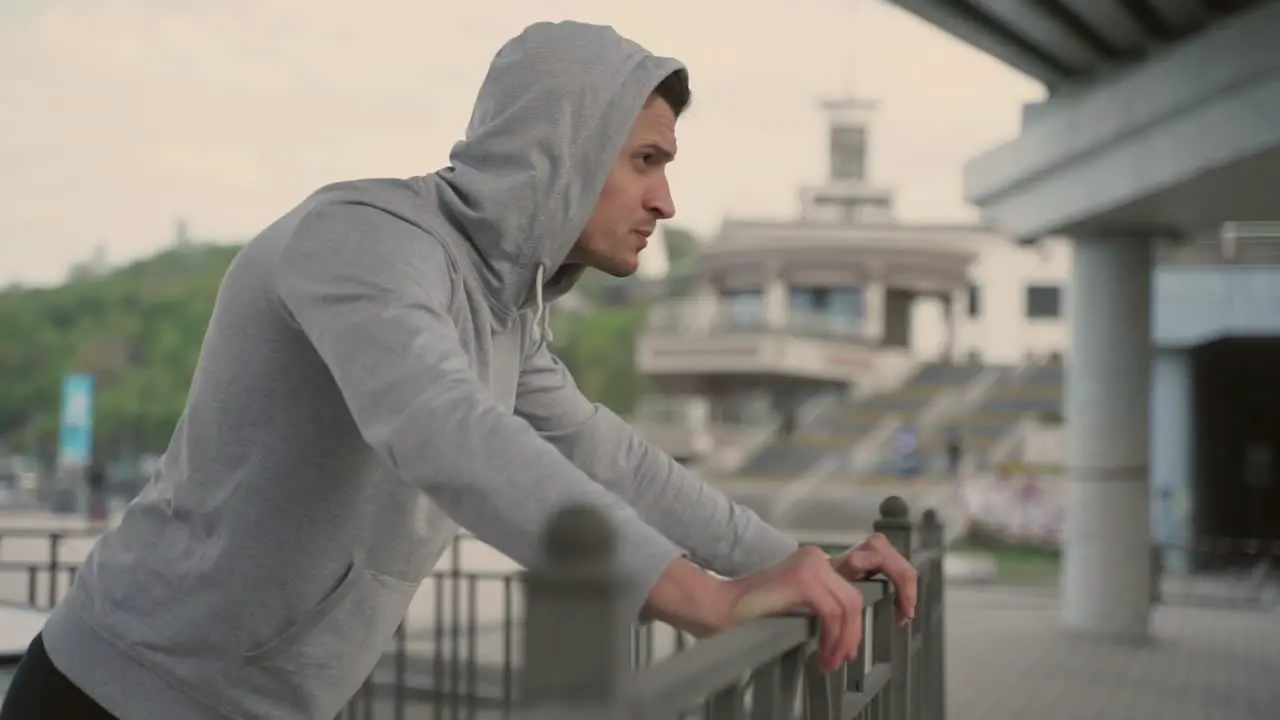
(674, 89)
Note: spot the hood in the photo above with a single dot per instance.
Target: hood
(552, 114)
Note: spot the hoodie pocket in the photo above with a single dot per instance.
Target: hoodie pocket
(349, 622)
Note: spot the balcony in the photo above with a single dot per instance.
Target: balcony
(696, 337)
(690, 429)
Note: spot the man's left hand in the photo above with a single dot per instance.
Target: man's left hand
(877, 555)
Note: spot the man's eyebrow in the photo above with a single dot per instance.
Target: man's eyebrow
(667, 154)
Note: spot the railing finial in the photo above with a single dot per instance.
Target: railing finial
(930, 530)
(577, 632)
(894, 508)
(577, 534)
(895, 524)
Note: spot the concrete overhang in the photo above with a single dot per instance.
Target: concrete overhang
(1063, 43)
(1186, 140)
(1196, 305)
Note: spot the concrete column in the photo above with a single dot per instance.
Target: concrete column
(949, 320)
(873, 311)
(1106, 569)
(897, 317)
(1173, 455)
(775, 302)
(959, 316)
(703, 308)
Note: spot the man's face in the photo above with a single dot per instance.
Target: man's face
(635, 195)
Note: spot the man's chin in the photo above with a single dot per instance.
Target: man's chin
(620, 269)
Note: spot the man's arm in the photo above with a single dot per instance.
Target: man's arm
(721, 535)
(371, 293)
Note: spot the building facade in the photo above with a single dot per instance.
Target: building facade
(843, 301)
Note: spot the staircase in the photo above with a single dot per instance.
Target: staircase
(847, 424)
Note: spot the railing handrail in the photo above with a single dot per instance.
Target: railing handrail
(898, 671)
(701, 316)
(687, 678)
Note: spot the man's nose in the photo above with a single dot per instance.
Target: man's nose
(658, 201)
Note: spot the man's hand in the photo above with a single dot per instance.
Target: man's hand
(877, 555)
(806, 580)
(695, 601)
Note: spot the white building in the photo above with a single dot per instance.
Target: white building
(845, 301)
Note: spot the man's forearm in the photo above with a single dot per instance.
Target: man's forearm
(720, 534)
(689, 599)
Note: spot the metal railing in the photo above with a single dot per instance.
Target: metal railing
(468, 659)
(1238, 244)
(579, 645)
(698, 317)
(47, 578)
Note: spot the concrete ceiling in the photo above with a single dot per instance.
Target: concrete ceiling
(1062, 41)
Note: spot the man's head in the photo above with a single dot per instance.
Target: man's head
(636, 194)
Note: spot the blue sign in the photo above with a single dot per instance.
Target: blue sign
(75, 432)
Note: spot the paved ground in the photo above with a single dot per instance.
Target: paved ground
(1008, 658)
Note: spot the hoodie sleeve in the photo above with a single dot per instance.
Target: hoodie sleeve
(371, 293)
(721, 535)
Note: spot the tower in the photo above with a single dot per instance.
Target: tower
(847, 195)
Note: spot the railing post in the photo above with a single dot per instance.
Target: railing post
(55, 540)
(577, 651)
(895, 524)
(935, 689)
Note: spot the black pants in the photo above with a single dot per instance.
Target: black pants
(39, 691)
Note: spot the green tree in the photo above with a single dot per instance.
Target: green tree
(682, 246)
(598, 346)
(137, 329)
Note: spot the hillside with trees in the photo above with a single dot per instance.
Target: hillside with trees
(138, 330)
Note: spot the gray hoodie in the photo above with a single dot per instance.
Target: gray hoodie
(375, 374)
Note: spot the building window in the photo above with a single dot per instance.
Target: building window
(743, 308)
(975, 300)
(848, 153)
(836, 310)
(1044, 301)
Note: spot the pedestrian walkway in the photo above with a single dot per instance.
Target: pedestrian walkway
(1008, 657)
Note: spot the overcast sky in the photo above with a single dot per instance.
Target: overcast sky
(118, 116)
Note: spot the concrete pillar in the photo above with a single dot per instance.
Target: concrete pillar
(775, 302)
(949, 327)
(703, 308)
(959, 316)
(873, 311)
(1106, 568)
(1173, 456)
(897, 317)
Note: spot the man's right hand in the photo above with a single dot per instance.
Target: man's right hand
(690, 599)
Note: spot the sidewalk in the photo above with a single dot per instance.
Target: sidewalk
(1008, 657)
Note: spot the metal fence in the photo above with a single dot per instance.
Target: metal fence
(579, 645)
(467, 659)
(1219, 571)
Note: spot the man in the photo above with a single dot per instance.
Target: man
(955, 453)
(375, 374)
